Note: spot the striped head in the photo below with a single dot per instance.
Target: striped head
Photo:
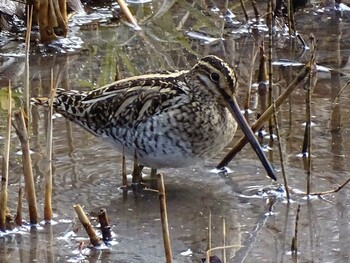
(215, 77)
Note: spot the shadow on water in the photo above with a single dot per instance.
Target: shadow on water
(259, 221)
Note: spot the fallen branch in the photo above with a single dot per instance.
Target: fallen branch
(329, 191)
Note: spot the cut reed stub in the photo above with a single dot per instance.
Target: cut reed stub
(105, 227)
(94, 239)
(19, 124)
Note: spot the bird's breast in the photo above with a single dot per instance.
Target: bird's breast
(176, 137)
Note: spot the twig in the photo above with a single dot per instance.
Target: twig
(329, 191)
(209, 232)
(336, 99)
(164, 218)
(209, 251)
(94, 239)
(249, 88)
(124, 177)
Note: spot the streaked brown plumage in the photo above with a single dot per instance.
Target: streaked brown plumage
(168, 120)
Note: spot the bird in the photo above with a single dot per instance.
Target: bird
(167, 119)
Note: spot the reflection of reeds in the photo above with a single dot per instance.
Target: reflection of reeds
(164, 218)
(250, 80)
(336, 99)
(224, 240)
(331, 191)
(20, 126)
(18, 219)
(281, 153)
(136, 176)
(209, 233)
(5, 163)
(307, 135)
(294, 245)
(270, 23)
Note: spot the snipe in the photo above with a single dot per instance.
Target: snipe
(167, 120)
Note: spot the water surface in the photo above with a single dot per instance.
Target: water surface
(88, 172)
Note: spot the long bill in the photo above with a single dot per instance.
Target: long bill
(236, 112)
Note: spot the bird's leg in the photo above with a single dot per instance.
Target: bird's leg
(136, 176)
(153, 179)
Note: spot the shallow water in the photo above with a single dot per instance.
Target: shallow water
(260, 223)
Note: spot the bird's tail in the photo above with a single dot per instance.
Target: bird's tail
(40, 101)
(68, 103)
(63, 100)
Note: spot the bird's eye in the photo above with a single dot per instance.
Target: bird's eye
(215, 77)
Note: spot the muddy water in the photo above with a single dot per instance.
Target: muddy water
(259, 223)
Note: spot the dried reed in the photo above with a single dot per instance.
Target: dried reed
(18, 218)
(48, 175)
(307, 146)
(126, 11)
(5, 163)
(164, 218)
(19, 124)
(94, 239)
(281, 154)
(105, 227)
